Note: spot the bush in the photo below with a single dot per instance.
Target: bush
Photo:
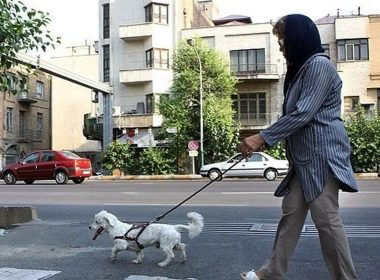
(155, 161)
(364, 134)
(117, 157)
(277, 151)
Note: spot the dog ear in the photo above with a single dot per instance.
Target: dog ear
(111, 220)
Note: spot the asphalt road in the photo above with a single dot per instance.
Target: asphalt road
(240, 220)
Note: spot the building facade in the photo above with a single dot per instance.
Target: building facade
(255, 59)
(70, 102)
(136, 43)
(352, 42)
(25, 118)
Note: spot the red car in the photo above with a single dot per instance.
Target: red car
(48, 165)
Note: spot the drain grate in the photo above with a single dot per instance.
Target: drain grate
(264, 229)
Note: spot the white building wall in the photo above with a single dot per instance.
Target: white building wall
(352, 27)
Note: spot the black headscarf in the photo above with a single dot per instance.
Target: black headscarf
(301, 41)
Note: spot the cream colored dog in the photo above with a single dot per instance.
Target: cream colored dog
(166, 237)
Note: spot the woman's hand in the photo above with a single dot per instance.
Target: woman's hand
(252, 144)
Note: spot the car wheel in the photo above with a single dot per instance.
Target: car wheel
(215, 174)
(9, 178)
(270, 174)
(61, 177)
(29, 182)
(78, 180)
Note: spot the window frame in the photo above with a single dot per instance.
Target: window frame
(106, 63)
(243, 61)
(357, 45)
(39, 125)
(40, 86)
(106, 21)
(9, 119)
(154, 62)
(149, 13)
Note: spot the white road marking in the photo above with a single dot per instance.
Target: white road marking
(7, 273)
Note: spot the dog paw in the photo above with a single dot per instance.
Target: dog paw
(183, 261)
(136, 261)
(113, 260)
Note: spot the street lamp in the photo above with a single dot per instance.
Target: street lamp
(191, 43)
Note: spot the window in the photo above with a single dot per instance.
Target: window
(326, 47)
(150, 103)
(32, 158)
(157, 58)
(250, 108)
(39, 125)
(106, 63)
(157, 13)
(47, 156)
(40, 90)
(352, 50)
(106, 21)
(256, 158)
(9, 120)
(248, 61)
(22, 125)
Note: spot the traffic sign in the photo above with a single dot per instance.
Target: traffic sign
(193, 153)
(193, 145)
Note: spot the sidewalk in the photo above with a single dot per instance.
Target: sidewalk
(193, 177)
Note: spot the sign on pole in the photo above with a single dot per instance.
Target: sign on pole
(193, 153)
(193, 145)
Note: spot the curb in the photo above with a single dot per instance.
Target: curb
(146, 177)
(15, 215)
(367, 176)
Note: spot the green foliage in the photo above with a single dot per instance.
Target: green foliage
(277, 151)
(21, 29)
(118, 156)
(155, 161)
(182, 109)
(364, 134)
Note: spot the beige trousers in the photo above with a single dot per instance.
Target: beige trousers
(325, 214)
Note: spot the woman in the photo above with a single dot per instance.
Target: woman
(317, 148)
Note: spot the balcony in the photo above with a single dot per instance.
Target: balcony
(259, 71)
(256, 121)
(29, 135)
(142, 72)
(26, 98)
(141, 31)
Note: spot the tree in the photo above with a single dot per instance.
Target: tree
(364, 134)
(21, 29)
(155, 161)
(181, 109)
(118, 156)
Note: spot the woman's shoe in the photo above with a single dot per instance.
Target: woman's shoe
(250, 275)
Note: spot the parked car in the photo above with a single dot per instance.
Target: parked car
(256, 165)
(48, 165)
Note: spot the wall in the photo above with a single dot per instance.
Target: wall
(374, 50)
(70, 102)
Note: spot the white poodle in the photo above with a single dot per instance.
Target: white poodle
(166, 237)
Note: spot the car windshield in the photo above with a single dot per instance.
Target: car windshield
(70, 155)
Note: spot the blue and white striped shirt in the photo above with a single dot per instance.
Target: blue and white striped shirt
(316, 141)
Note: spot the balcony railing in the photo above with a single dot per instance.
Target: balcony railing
(26, 97)
(29, 135)
(256, 120)
(258, 70)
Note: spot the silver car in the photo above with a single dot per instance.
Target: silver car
(256, 165)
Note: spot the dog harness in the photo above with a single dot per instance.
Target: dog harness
(142, 227)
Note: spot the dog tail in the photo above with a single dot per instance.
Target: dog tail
(196, 225)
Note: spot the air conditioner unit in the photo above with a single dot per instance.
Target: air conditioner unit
(116, 111)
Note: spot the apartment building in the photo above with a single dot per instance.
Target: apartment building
(25, 118)
(70, 102)
(254, 57)
(352, 42)
(136, 43)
